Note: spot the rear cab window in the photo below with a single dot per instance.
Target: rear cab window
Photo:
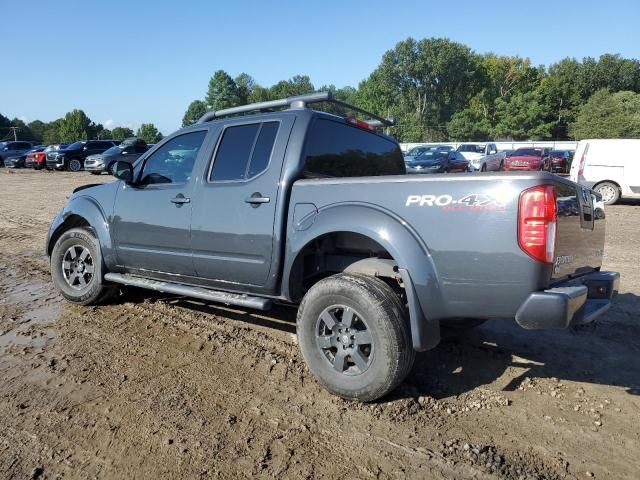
(336, 149)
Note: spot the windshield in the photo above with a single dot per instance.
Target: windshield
(527, 152)
(113, 150)
(433, 155)
(416, 151)
(474, 148)
(75, 146)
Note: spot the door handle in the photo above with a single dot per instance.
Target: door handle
(180, 200)
(257, 199)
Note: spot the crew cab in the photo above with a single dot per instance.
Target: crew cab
(482, 157)
(73, 156)
(253, 206)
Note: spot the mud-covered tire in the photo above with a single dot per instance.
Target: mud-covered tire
(87, 287)
(377, 317)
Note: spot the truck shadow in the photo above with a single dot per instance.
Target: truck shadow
(605, 353)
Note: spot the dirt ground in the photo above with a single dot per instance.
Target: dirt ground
(154, 386)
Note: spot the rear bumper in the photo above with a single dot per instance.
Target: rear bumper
(574, 302)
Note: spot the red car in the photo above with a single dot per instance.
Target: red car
(560, 161)
(36, 159)
(528, 159)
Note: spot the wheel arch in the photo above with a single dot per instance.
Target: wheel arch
(411, 258)
(84, 211)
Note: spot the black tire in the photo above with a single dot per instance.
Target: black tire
(74, 165)
(79, 279)
(483, 168)
(455, 327)
(501, 167)
(381, 353)
(610, 192)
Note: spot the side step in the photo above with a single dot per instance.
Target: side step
(247, 301)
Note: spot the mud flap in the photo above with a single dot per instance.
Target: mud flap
(425, 333)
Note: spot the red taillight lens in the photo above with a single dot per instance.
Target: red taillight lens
(537, 222)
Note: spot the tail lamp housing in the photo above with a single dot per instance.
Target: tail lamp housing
(537, 221)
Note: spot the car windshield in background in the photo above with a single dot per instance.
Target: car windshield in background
(432, 155)
(113, 150)
(472, 148)
(559, 153)
(415, 151)
(75, 146)
(527, 152)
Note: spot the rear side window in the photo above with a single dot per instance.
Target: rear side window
(244, 151)
(335, 149)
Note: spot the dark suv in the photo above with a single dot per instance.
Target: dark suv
(13, 149)
(72, 158)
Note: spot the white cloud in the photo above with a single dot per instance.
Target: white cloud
(109, 123)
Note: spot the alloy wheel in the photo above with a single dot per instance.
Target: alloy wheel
(78, 267)
(344, 339)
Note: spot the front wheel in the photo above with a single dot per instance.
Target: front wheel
(610, 192)
(76, 268)
(354, 336)
(75, 165)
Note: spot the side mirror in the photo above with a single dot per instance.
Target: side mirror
(123, 171)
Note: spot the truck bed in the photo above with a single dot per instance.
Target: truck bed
(467, 228)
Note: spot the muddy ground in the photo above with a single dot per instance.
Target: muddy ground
(156, 386)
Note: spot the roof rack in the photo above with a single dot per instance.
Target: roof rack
(296, 102)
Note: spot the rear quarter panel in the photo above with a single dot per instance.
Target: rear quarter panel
(467, 225)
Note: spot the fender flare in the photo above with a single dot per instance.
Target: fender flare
(89, 210)
(412, 256)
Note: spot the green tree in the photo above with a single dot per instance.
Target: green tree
(608, 115)
(37, 128)
(245, 84)
(149, 133)
(52, 132)
(469, 125)
(223, 92)
(297, 85)
(522, 117)
(75, 126)
(195, 110)
(104, 133)
(120, 133)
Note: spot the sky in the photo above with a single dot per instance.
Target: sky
(129, 62)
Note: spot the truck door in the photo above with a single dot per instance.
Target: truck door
(151, 219)
(232, 228)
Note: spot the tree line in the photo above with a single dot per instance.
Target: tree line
(75, 125)
(437, 90)
(441, 90)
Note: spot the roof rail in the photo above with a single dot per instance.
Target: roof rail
(296, 102)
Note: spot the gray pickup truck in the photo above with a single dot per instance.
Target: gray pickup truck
(254, 205)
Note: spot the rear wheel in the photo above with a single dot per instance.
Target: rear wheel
(354, 336)
(75, 165)
(610, 192)
(76, 268)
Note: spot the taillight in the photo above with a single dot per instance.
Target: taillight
(583, 160)
(361, 124)
(537, 222)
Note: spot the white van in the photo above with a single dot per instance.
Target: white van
(610, 167)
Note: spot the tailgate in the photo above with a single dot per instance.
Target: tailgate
(580, 230)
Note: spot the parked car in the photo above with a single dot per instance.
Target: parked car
(20, 161)
(528, 159)
(560, 161)
(610, 167)
(13, 149)
(312, 209)
(482, 157)
(437, 161)
(72, 158)
(129, 150)
(415, 152)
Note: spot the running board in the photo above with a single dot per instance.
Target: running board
(239, 300)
